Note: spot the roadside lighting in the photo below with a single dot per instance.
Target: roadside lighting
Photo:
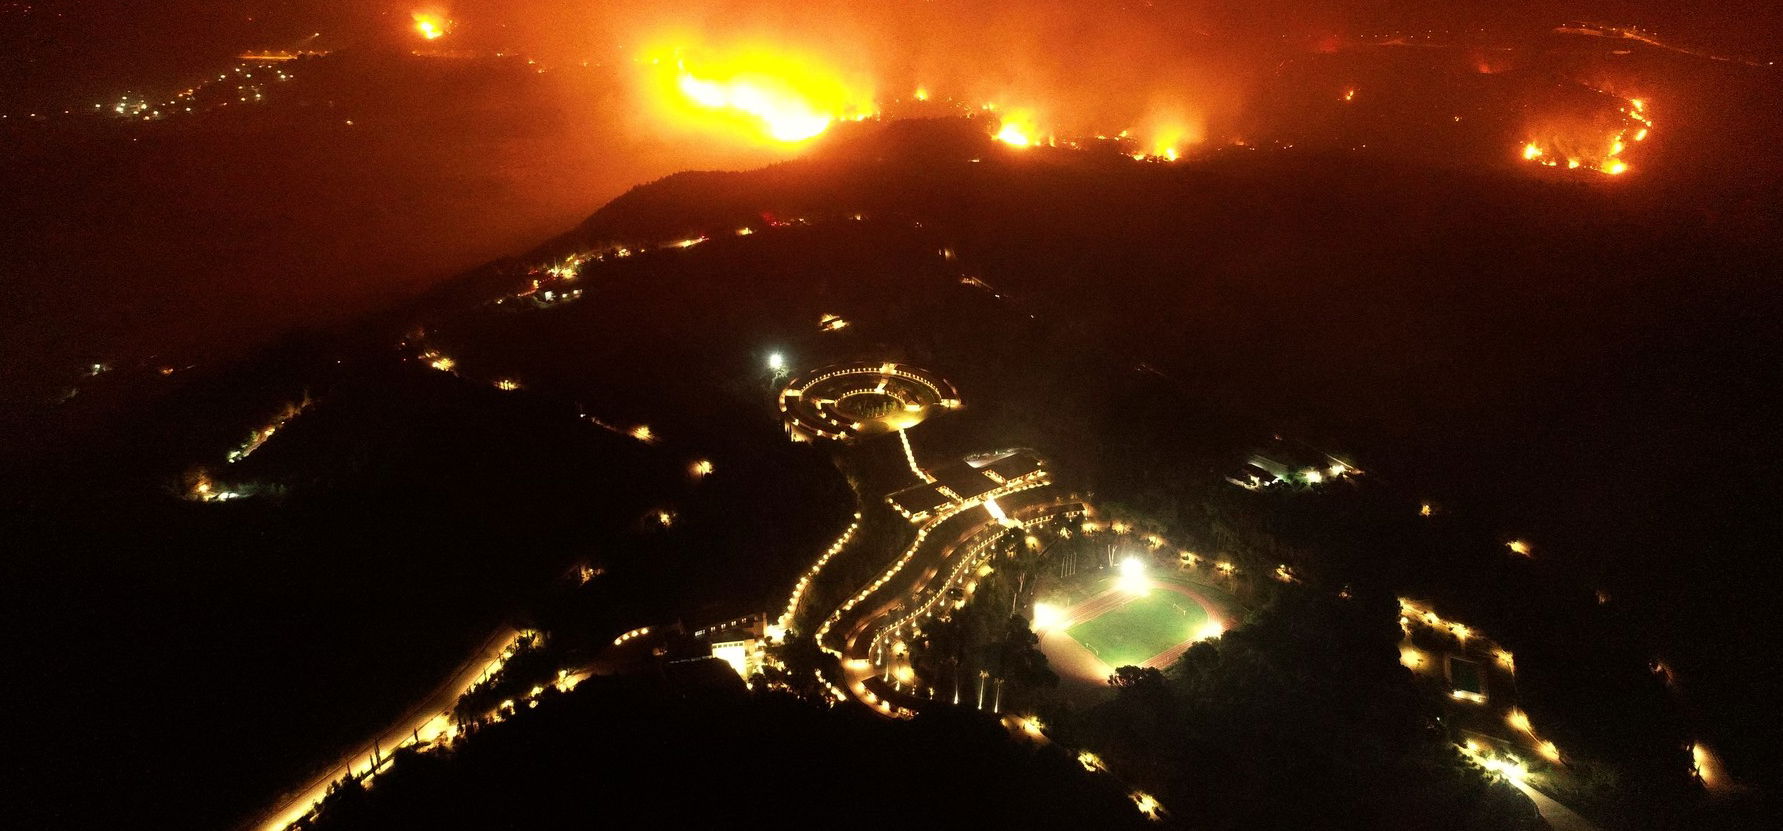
(1706, 766)
(1508, 768)
(1519, 720)
(1518, 547)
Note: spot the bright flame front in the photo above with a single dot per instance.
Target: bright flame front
(758, 94)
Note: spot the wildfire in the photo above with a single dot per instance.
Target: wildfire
(757, 93)
(1636, 127)
(1167, 131)
(1018, 129)
(430, 25)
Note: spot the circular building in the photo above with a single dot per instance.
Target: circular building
(845, 401)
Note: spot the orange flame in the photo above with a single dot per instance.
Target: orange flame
(431, 25)
(1018, 129)
(756, 93)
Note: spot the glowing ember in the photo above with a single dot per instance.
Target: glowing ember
(758, 94)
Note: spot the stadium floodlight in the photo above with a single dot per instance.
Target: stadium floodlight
(1133, 579)
(1046, 616)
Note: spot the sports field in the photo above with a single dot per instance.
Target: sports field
(1141, 628)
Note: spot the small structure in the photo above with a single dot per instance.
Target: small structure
(1284, 462)
(738, 643)
(978, 479)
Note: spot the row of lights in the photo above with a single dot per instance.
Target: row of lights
(798, 590)
(972, 559)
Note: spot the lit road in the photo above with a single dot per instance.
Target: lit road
(1558, 816)
(425, 722)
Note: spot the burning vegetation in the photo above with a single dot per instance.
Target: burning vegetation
(1595, 145)
(761, 94)
(431, 24)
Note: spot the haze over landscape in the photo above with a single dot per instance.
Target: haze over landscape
(1332, 414)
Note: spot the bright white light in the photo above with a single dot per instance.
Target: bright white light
(1133, 579)
(1046, 616)
(776, 362)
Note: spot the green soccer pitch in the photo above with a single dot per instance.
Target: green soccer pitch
(1141, 628)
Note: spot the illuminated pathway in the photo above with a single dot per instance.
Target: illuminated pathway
(424, 724)
(922, 591)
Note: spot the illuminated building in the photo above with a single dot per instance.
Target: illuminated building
(967, 482)
(1285, 462)
(848, 401)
